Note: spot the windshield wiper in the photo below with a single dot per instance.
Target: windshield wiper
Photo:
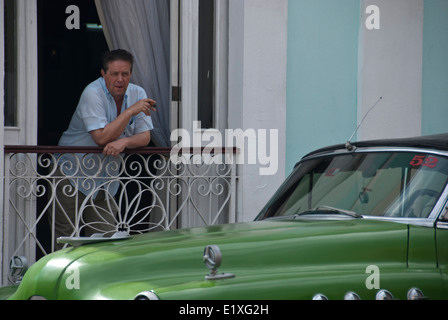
(330, 210)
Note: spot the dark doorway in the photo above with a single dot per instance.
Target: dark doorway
(206, 63)
(68, 61)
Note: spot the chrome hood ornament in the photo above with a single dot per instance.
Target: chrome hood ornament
(212, 259)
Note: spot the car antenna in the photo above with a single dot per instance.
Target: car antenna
(349, 145)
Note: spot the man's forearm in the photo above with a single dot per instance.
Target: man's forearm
(138, 140)
(113, 130)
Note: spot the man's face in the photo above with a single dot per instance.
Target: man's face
(117, 77)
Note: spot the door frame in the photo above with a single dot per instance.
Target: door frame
(184, 63)
(25, 132)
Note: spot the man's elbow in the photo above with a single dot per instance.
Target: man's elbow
(146, 138)
(99, 140)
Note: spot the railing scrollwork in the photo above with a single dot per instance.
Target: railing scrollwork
(143, 191)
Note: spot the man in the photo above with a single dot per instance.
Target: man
(114, 114)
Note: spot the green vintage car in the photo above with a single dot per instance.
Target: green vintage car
(363, 220)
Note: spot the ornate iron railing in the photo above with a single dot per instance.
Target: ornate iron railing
(153, 194)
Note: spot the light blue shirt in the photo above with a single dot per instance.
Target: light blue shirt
(96, 109)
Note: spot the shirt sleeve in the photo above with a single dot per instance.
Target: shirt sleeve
(143, 124)
(93, 109)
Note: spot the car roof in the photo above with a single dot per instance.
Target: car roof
(437, 141)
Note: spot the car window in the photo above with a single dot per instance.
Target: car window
(397, 184)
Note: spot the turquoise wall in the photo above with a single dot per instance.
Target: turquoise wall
(435, 67)
(321, 75)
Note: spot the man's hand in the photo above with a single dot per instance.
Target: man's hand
(144, 105)
(114, 148)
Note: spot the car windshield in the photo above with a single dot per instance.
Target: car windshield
(391, 184)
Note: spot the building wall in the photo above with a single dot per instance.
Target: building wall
(257, 91)
(322, 74)
(390, 66)
(338, 68)
(435, 67)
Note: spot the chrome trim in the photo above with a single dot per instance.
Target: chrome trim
(147, 295)
(421, 222)
(442, 225)
(440, 205)
(352, 296)
(384, 295)
(221, 276)
(317, 216)
(18, 266)
(319, 296)
(97, 237)
(375, 149)
(415, 294)
(37, 298)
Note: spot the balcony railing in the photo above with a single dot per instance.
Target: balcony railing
(154, 194)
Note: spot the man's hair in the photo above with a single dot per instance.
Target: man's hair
(116, 55)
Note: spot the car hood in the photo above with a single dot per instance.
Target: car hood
(259, 254)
